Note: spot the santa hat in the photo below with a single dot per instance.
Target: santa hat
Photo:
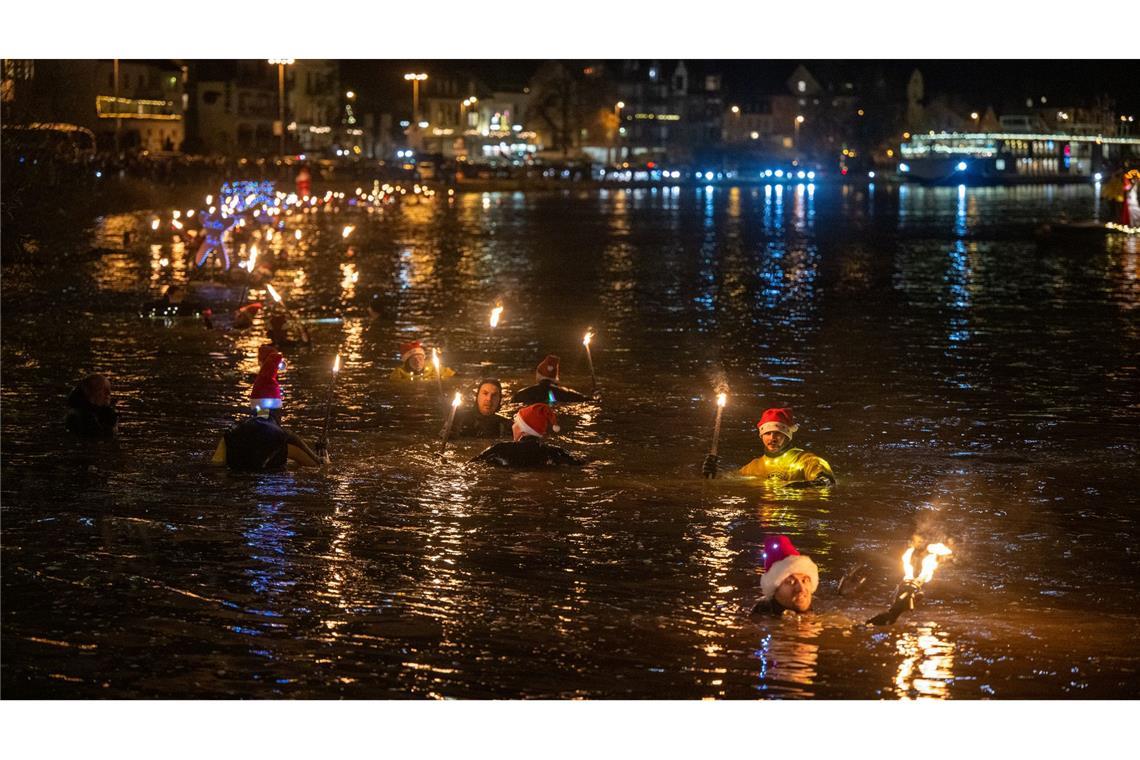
(781, 560)
(535, 419)
(548, 367)
(266, 392)
(779, 420)
(407, 350)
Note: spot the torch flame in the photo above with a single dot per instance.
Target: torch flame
(721, 399)
(929, 562)
(347, 231)
(297, 234)
(495, 312)
(586, 339)
(252, 258)
(336, 364)
(455, 402)
(154, 224)
(273, 293)
(908, 568)
(435, 359)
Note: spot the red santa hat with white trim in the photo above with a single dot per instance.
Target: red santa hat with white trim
(781, 559)
(535, 419)
(548, 367)
(410, 349)
(779, 420)
(266, 392)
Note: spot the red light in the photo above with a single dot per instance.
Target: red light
(652, 165)
(843, 170)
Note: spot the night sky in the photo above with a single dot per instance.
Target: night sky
(978, 83)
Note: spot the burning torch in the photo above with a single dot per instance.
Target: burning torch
(324, 442)
(589, 358)
(495, 314)
(249, 265)
(721, 400)
(435, 363)
(909, 591)
(455, 402)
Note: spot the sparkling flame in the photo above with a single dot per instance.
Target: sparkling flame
(721, 399)
(455, 402)
(495, 312)
(586, 340)
(347, 230)
(336, 364)
(252, 258)
(273, 293)
(435, 359)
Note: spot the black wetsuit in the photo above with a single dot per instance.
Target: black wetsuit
(771, 608)
(262, 444)
(527, 452)
(89, 420)
(469, 423)
(547, 392)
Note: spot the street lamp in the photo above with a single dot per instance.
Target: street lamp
(467, 103)
(415, 79)
(281, 64)
(617, 133)
(796, 130)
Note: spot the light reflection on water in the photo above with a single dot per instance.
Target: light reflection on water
(957, 374)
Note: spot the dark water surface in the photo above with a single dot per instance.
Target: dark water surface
(965, 382)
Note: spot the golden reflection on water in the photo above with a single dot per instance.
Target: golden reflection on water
(927, 668)
(789, 656)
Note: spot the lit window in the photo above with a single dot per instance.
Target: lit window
(801, 86)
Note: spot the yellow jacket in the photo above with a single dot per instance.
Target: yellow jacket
(793, 466)
(399, 373)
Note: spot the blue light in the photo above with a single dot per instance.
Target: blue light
(98, 175)
(779, 172)
(904, 168)
(768, 173)
(801, 174)
(708, 175)
(811, 175)
(961, 166)
(871, 175)
(1098, 176)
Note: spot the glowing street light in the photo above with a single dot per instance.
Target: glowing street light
(415, 79)
(281, 64)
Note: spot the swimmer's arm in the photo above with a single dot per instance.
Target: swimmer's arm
(300, 453)
(220, 453)
(817, 470)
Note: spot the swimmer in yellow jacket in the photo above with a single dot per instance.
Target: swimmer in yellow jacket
(415, 366)
(780, 460)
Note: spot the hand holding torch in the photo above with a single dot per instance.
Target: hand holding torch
(709, 468)
(909, 592)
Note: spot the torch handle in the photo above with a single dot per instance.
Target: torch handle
(716, 431)
(328, 410)
(593, 378)
(904, 601)
(447, 430)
